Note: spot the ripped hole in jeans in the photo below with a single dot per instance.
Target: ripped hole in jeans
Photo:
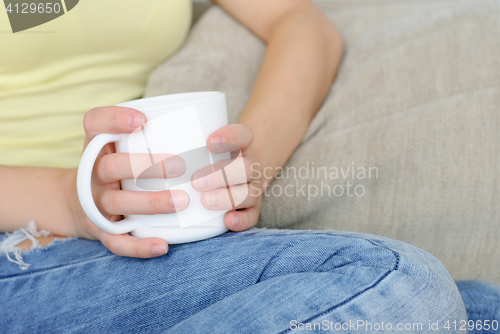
(15, 243)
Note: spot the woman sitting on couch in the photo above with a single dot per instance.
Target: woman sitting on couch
(249, 280)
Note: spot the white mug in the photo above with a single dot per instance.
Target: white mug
(177, 124)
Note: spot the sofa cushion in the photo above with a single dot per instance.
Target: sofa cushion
(416, 102)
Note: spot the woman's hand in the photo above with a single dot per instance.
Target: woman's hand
(111, 167)
(244, 195)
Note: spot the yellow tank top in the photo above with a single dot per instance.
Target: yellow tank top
(99, 53)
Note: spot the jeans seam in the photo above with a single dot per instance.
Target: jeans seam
(396, 266)
(342, 303)
(320, 232)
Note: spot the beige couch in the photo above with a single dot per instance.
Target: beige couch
(417, 99)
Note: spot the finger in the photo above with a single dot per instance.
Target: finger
(121, 166)
(241, 196)
(226, 138)
(237, 171)
(112, 119)
(242, 219)
(126, 245)
(124, 202)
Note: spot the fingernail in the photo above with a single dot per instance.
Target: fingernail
(236, 221)
(217, 144)
(203, 182)
(214, 199)
(135, 121)
(175, 166)
(159, 250)
(178, 200)
(218, 140)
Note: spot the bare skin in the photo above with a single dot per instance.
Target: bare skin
(302, 57)
(43, 241)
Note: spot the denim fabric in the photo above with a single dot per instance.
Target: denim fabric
(257, 281)
(482, 302)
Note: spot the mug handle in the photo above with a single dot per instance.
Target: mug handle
(84, 186)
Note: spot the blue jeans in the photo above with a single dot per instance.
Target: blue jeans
(257, 281)
(482, 301)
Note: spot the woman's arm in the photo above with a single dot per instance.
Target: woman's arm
(303, 53)
(39, 194)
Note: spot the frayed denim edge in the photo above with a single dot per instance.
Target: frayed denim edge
(10, 242)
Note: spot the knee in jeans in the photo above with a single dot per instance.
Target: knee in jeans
(432, 285)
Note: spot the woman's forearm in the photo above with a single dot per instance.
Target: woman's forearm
(303, 54)
(39, 194)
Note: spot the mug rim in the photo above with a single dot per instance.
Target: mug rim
(151, 103)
